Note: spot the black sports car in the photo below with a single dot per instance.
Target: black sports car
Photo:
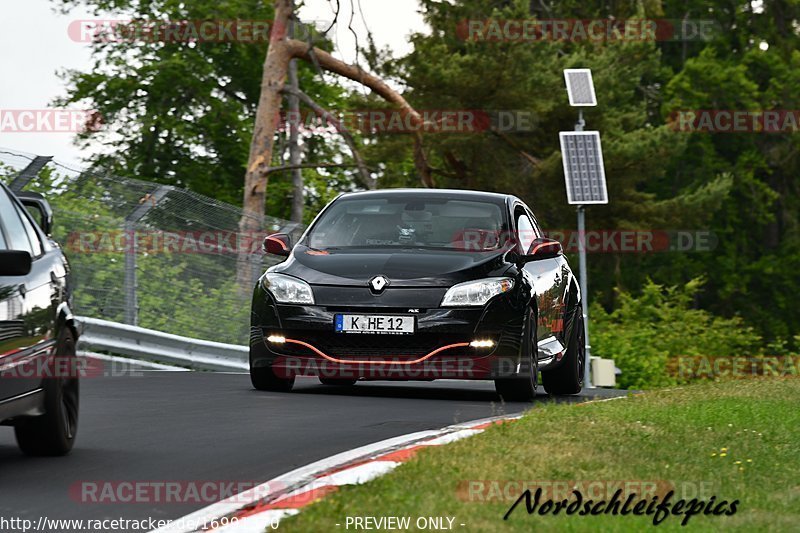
(418, 284)
(38, 366)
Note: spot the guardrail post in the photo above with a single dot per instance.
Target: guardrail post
(145, 205)
(29, 172)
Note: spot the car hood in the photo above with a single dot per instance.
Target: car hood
(403, 268)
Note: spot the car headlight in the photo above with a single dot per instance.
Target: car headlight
(288, 290)
(476, 292)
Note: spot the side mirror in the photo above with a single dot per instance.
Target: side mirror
(15, 263)
(543, 249)
(42, 211)
(277, 244)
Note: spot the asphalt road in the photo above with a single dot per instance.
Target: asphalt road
(204, 427)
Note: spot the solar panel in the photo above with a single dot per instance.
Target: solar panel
(580, 87)
(584, 172)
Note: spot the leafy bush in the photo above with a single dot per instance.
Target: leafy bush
(645, 331)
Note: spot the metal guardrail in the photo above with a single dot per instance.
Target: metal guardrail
(158, 347)
(150, 345)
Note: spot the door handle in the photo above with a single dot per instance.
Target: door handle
(22, 290)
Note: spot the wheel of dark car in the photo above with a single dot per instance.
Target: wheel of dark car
(567, 378)
(54, 432)
(522, 388)
(264, 378)
(337, 382)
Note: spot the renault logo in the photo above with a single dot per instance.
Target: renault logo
(378, 283)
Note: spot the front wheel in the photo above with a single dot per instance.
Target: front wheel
(568, 377)
(263, 377)
(522, 388)
(54, 432)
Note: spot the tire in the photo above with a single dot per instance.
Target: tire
(264, 378)
(338, 382)
(53, 433)
(567, 378)
(522, 389)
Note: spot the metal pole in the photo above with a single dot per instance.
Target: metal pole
(145, 204)
(295, 155)
(29, 172)
(584, 282)
(131, 300)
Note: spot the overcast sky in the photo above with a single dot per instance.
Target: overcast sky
(35, 45)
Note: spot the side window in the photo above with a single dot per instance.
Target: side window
(525, 231)
(15, 231)
(33, 237)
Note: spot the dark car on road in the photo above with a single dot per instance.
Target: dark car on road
(38, 365)
(419, 284)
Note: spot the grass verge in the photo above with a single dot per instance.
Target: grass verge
(736, 440)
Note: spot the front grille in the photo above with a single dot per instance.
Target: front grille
(366, 347)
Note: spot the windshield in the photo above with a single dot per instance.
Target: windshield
(410, 222)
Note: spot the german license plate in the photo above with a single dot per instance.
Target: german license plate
(392, 324)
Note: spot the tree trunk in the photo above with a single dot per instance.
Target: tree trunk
(295, 155)
(276, 66)
(366, 179)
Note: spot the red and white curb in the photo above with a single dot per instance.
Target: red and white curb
(260, 507)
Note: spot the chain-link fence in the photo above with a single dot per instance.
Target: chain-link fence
(147, 254)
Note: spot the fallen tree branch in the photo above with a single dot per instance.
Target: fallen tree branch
(301, 50)
(366, 179)
(535, 161)
(282, 168)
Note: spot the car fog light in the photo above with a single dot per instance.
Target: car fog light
(482, 344)
(276, 339)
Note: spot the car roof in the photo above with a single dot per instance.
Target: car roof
(459, 193)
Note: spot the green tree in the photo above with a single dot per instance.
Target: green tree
(180, 113)
(445, 71)
(753, 270)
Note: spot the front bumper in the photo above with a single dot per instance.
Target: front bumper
(439, 349)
